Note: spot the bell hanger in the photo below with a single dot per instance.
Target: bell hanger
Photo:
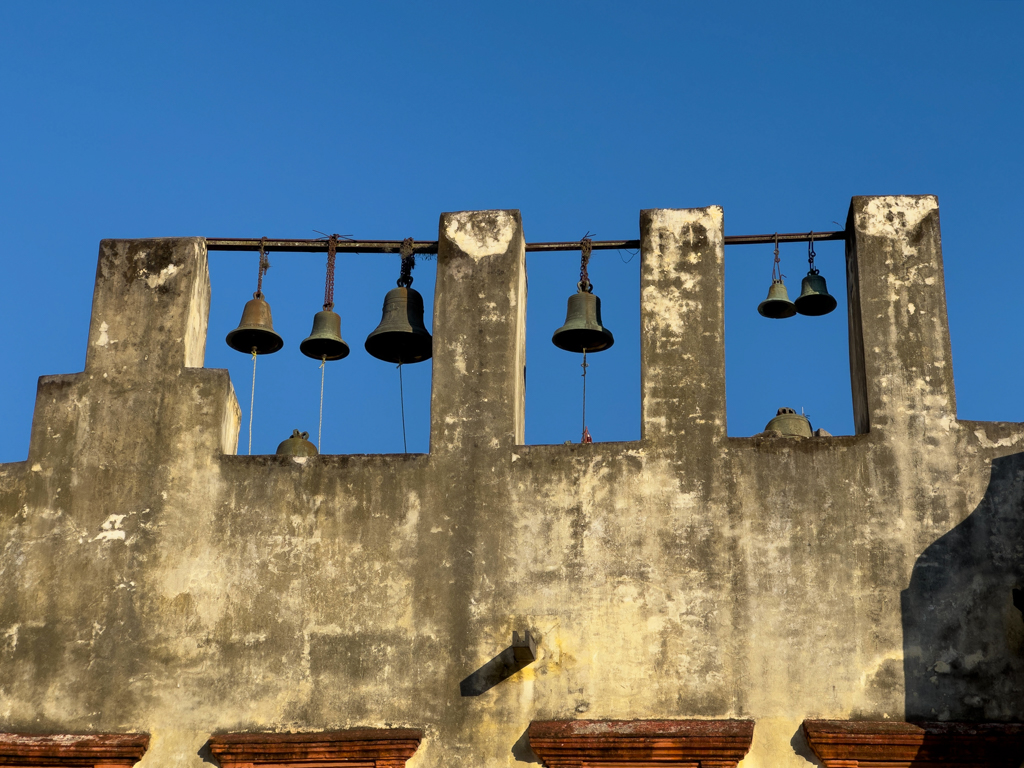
(255, 332)
(324, 341)
(401, 337)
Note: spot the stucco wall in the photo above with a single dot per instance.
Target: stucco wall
(154, 581)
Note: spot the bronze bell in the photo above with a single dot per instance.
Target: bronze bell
(255, 330)
(297, 445)
(814, 298)
(324, 341)
(777, 305)
(401, 336)
(790, 423)
(583, 330)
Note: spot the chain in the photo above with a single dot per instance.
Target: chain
(408, 262)
(586, 246)
(332, 249)
(264, 266)
(810, 256)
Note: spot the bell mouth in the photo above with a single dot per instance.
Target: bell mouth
(583, 339)
(246, 338)
(326, 348)
(401, 347)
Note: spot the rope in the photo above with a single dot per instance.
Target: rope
(586, 435)
(320, 426)
(408, 262)
(401, 398)
(252, 397)
(332, 249)
(264, 266)
(586, 246)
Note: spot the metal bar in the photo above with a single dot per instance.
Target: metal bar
(430, 246)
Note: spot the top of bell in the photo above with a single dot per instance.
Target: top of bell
(583, 330)
(790, 424)
(297, 445)
(255, 331)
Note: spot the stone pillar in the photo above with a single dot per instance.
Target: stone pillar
(150, 306)
(479, 385)
(900, 364)
(682, 331)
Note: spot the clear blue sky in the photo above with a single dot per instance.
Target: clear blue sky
(370, 119)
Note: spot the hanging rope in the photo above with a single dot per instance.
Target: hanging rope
(810, 256)
(586, 247)
(586, 433)
(408, 262)
(264, 266)
(252, 397)
(320, 425)
(401, 399)
(332, 249)
(777, 264)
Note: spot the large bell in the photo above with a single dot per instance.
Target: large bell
(777, 305)
(790, 423)
(583, 330)
(255, 330)
(297, 445)
(401, 336)
(814, 297)
(324, 341)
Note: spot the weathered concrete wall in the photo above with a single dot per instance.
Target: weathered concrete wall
(154, 581)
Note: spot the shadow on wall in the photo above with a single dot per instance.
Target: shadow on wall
(963, 635)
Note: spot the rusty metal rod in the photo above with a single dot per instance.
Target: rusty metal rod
(430, 246)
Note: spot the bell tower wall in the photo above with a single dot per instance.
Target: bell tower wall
(156, 582)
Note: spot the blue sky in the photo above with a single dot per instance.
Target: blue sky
(370, 119)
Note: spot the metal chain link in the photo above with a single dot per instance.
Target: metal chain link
(810, 256)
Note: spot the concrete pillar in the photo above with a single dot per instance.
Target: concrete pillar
(150, 306)
(682, 331)
(900, 364)
(479, 384)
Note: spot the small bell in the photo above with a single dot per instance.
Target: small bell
(777, 305)
(790, 423)
(324, 341)
(401, 336)
(814, 298)
(583, 329)
(297, 445)
(255, 330)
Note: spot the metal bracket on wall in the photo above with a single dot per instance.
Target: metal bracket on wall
(524, 648)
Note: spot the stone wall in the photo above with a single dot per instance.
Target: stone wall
(156, 582)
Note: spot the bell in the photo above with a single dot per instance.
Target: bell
(790, 423)
(583, 330)
(255, 330)
(814, 299)
(297, 445)
(401, 336)
(324, 341)
(777, 305)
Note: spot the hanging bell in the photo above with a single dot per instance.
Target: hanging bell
(777, 305)
(790, 423)
(583, 329)
(814, 299)
(297, 445)
(324, 341)
(255, 330)
(401, 336)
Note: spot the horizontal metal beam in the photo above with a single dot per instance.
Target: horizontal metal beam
(430, 246)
